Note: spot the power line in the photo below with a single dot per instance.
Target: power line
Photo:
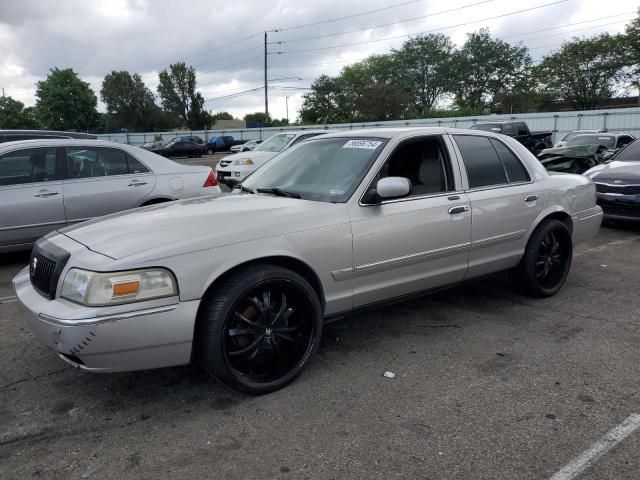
(421, 33)
(383, 24)
(568, 25)
(249, 37)
(295, 27)
(576, 30)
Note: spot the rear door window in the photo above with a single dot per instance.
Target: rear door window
(88, 162)
(484, 167)
(31, 165)
(515, 170)
(508, 130)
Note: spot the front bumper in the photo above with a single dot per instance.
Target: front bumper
(110, 339)
(620, 207)
(235, 173)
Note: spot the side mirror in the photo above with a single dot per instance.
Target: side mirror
(393, 187)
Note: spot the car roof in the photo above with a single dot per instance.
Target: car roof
(47, 132)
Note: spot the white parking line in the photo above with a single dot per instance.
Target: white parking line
(10, 299)
(602, 446)
(614, 243)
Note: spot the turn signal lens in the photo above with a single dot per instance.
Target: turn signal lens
(126, 288)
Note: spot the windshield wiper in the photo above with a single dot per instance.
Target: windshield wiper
(278, 192)
(243, 188)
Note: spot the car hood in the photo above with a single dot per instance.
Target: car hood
(618, 172)
(201, 223)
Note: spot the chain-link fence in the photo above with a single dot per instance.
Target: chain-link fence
(560, 123)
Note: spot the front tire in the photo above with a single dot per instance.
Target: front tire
(257, 331)
(547, 259)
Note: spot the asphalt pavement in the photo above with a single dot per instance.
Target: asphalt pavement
(489, 385)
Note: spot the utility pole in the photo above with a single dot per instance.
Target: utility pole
(286, 102)
(266, 87)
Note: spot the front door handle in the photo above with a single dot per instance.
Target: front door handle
(45, 193)
(530, 198)
(458, 209)
(137, 184)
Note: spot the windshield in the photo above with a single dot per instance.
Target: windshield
(171, 142)
(488, 127)
(605, 141)
(275, 143)
(629, 154)
(323, 169)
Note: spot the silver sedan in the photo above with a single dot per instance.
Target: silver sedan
(48, 184)
(337, 223)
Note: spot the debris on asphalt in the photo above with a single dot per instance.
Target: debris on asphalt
(603, 266)
(389, 374)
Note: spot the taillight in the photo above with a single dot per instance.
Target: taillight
(211, 180)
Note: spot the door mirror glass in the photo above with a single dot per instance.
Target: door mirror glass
(393, 187)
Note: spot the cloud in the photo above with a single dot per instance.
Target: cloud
(145, 36)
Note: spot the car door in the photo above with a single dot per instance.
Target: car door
(523, 135)
(504, 202)
(31, 195)
(417, 242)
(103, 180)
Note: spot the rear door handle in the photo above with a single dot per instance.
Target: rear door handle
(136, 184)
(530, 198)
(45, 193)
(458, 209)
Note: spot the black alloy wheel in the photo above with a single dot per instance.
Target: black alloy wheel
(547, 259)
(257, 332)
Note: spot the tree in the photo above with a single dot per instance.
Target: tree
(14, 115)
(485, 66)
(177, 91)
(65, 102)
(631, 45)
(325, 103)
(584, 72)
(255, 118)
(129, 102)
(424, 70)
(222, 116)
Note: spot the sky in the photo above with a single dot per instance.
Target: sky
(224, 40)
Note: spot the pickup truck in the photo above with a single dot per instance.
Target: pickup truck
(534, 141)
(220, 144)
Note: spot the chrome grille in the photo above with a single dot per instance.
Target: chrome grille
(45, 267)
(619, 189)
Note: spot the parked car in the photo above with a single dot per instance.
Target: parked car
(219, 144)
(180, 147)
(618, 184)
(340, 222)
(583, 152)
(151, 145)
(17, 135)
(235, 168)
(534, 141)
(563, 141)
(246, 146)
(48, 184)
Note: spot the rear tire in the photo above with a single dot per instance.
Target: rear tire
(257, 331)
(547, 259)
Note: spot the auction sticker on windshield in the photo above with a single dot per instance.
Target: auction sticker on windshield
(365, 144)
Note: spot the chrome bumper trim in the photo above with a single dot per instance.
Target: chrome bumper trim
(107, 318)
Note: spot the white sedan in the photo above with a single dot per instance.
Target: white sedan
(48, 184)
(238, 166)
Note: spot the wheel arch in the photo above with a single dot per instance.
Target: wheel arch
(292, 263)
(556, 213)
(155, 200)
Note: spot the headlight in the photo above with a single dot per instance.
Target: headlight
(101, 289)
(246, 161)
